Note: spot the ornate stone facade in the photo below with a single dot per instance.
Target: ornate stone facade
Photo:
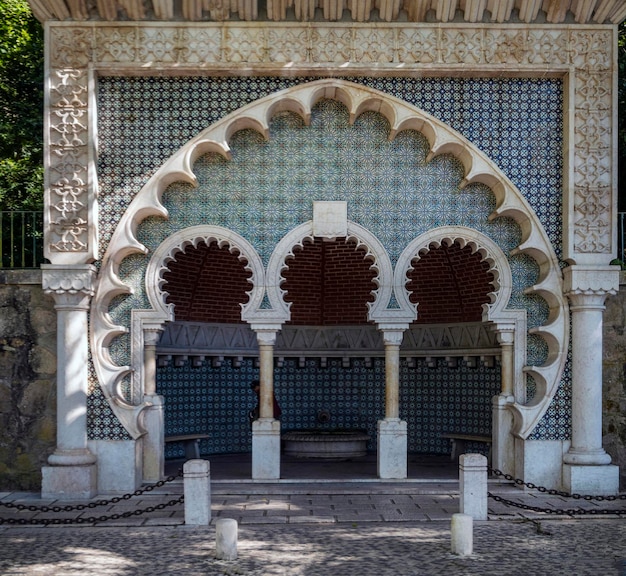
(473, 39)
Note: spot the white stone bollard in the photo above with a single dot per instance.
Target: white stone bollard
(473, 485)
(226, 539)
(197, 490)
(462, 535)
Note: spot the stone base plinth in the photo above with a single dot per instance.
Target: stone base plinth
(592, 480)
(266, 450)
(392, 449)
(69, 482)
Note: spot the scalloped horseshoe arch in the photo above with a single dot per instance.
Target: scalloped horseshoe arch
(296, 237)
(178, 242)
(300, 100)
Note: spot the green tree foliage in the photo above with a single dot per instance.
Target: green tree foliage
(21, 107)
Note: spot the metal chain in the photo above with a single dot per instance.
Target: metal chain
(552, 492)
(96, 504)
(91, 519)
(556, 511)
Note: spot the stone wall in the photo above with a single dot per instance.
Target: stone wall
(27, 379)
(614, 379)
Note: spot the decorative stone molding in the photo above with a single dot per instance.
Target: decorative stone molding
(204, 340)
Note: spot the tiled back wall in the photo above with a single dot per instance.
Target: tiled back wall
(433, 401)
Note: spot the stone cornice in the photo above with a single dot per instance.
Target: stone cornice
(437, 11)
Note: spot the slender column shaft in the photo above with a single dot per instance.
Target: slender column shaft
(507, 363)
(149, 367)
(392, 381)
(72, 379)
(266, 379)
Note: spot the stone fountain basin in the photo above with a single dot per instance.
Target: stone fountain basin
(325, 443)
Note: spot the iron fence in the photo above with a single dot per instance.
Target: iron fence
(21, 240)
(621, 241)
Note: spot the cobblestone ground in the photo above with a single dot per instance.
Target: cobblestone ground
(524, 547)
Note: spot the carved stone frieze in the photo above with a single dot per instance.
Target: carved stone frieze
(196, 338)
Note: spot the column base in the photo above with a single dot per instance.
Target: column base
(69, 482)
(392, 449)
(592, 480)
(266, 449)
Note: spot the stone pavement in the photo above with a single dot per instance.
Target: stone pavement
(321, 528)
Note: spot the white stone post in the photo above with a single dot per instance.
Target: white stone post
(153, 414)
(473, 486)
(226, 532)
(266, 430)
(392, 432)
(587, 466)
(503, 442)
(462, 534)
(71, 473)
(197, 491)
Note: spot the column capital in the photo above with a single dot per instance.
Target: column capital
(393, 333)
(265, 336)
(71, 286)
(580, 280)
(151, 335)
(506, 336)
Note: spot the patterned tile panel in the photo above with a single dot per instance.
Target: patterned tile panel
(434, 401)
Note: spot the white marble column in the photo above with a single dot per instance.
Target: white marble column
(587, 466)
(392, 432)
(71, 472)
(503, 446)
(153, 416)
(266, 430)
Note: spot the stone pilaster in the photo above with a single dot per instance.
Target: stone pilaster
(71, 472)
(153, 414)
(503, 446)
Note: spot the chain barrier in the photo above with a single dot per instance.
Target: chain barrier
(553, 492)
(91, 505)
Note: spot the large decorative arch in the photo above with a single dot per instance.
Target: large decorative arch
(300, 100)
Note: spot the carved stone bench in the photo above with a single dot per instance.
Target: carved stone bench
(190, 441)
(459, 441)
